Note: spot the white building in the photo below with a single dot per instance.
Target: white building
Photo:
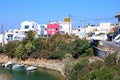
(65, 27)
(1, 39)
(96, 32)
(28, 25)
(13, 34)
(42, 30)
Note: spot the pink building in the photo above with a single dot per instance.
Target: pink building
(53, 28)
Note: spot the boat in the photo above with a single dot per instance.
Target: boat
(18, 66)
(8, 64)
(31, 68)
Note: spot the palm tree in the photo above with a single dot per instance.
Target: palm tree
(30, 35)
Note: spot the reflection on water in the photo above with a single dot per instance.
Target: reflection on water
(39, 74)
(5, 76)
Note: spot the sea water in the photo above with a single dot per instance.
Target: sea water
(22, 74)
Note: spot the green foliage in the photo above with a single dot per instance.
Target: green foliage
(54, 47)
(1, 49)
(90, 51)
(30, 35)
(118, 62)
(103, 74)
(111, 59)
(79, 70)
(79, 48)
(97, 65)
(10, 47)
(68, 64)
(98, 70)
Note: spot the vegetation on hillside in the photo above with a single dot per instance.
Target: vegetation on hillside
(98, 70)
(54, 47)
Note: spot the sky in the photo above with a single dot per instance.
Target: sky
(13, 12)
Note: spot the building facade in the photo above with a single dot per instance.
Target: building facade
(43, 30)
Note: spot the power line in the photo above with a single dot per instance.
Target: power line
(89, 19)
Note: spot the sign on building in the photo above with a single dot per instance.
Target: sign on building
(66, 19)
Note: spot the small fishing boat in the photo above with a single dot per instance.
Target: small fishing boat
(8, 64)
(18, 66)
(31, 68)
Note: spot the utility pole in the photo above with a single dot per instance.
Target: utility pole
(84, 27)
(2, 29)
(3, 35)
(69, 23)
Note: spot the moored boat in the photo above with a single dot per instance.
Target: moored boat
(8, 64)
(18, 66)
(31, 68)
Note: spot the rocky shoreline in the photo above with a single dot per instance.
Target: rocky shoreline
(56, 65)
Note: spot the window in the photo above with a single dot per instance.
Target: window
(52, 29)
(25, 32)
(45, 29)
(32, 26)
(42, 26)
(26, 26)
(61, 27)
(62, 32)
(49, 29)
(53, 32)
(56, 29)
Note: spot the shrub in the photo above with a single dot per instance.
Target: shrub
(103, 74)
(79, 70)
(1, 49)
(111, 59)
(10, 47)
(79, 48)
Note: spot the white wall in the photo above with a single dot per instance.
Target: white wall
(30, 24)
(1, 38)
(66, 26)
(39, 29)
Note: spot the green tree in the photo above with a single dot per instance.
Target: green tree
(79, 48)
(30, 35)
(1, 49)
(79, 70)
(68, 64)
(103, 74)
(111, 59)
(10, 47)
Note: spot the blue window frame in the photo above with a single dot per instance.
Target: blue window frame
(26, 26)
(42, 32)
(60, 27)
(32, 26)
(42, 26)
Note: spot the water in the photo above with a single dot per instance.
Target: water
(39, 74)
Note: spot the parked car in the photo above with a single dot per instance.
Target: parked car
(116, 39)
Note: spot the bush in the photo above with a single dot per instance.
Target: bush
(111, 59)
(79, 70)
(10, 47)
(68, 64)
(1, 49)
(90, 51)
(103, 74)
(79, 48)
